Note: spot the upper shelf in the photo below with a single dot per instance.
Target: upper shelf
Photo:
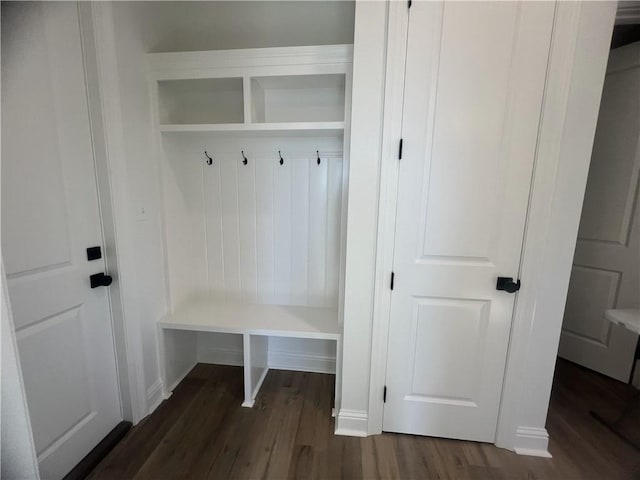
(256, 127)
(267, 90)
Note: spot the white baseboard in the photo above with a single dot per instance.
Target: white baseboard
(180, 377)
(352, 423)
(302, 362)
(532, 441)
(155, 396)
(278, 360)
(221, 356)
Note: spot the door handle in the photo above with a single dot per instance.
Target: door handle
(100, 280)
(507, 284)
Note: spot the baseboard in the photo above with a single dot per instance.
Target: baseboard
(180, 377)
(278, 360)
(352, 423)
(155, 396)
(302, 362)
(532, 441)
(221, 356)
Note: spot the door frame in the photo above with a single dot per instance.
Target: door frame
(575, 76)
(105, 117)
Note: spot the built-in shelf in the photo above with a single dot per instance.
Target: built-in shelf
(255, 127)
(267, 229)
(298, 98)
(201, 101)
(209, 315)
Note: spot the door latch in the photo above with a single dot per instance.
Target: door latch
(507, 284)
(100, 280)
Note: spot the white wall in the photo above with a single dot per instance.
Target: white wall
(142, 27)
(184, 26)
(362, 213)
(143, 191)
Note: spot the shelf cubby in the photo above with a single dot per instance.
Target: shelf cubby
(205, 101)
(298, 98)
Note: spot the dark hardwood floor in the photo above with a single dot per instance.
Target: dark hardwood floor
(201, 432)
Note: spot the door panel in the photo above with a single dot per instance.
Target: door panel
(473, 92)
(49, 217)
(606, 266)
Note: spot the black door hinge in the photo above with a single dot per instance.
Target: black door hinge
(393, 276)
(400, 150)
(408, 3)
(384, 395)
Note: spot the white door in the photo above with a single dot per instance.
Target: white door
(473, 92)
(606, 266)
(49, 218)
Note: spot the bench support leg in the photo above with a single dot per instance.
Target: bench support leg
(256, 366)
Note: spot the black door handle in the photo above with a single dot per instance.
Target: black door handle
(100, 280)
(507, 284)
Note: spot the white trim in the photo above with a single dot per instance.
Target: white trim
(532, 442)
(155, 395)
(389, 170)
(130, 344)
(352, 423)
(302, 362)
(103, 184)
(278, 360)
(370, 38)
(557, 86)
(575, 76)
(579, 53)
(221, 356)
(167, 393)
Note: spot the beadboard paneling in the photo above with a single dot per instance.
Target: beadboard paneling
(258, 233)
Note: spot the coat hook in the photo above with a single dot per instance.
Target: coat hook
(318, 154)
(209, 159)
(244, 159)
(281, 159)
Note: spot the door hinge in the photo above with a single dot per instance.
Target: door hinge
(384, 395)
(408, 3)
(393, 276)
(400, 150)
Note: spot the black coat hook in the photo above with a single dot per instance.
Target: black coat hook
(209, 159)
(244, 159)
(318, 154)
(281, 159)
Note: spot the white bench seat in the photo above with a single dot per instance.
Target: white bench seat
(208, 315)
(255, 323)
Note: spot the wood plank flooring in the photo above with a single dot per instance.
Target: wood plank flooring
(201, 432)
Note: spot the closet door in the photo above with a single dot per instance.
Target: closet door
(473, 91)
